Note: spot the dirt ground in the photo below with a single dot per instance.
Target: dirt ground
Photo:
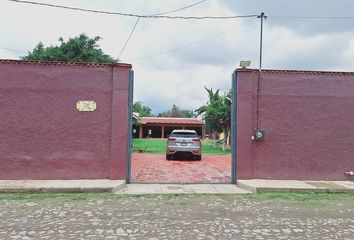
(154, 168)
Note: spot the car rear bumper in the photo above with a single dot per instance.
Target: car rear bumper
(174, 150)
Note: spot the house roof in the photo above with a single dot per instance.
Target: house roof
(60, 63)
(164, 120)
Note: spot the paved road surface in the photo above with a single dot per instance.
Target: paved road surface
(170, 217)
(154, 168)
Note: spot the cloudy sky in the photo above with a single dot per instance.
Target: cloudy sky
(174, 59)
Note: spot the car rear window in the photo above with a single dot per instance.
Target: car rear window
(184, 135)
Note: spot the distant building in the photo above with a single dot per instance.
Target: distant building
(161, 127)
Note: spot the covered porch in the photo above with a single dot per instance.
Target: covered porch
(162, 127)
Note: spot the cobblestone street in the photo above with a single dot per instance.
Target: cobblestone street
(174, 217)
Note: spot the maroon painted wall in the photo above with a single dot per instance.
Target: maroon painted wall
(44, 136)
(308, 118)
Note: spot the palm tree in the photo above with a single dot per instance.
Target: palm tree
(210, 112)
(217, 113)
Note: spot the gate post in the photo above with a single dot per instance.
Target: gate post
(234, 129)
(130, 125)
(120, 122)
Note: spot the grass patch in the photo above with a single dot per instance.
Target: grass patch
(48, 196)
(159, 146)
(315, 200)
(208, 148)
(33, 197)
(302, 197)
(150, 145)
(310, 199)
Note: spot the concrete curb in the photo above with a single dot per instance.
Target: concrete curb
(246, 187)
(60, 186)
(120, 187)
(180, 189)
(262, 185)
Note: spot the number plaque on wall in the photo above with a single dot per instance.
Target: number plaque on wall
(86, 106)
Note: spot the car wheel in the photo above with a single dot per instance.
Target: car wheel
(168, 157)
(198, 158)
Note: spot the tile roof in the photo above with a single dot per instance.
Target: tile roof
(163, 120)
(60, 63)
(294, 71)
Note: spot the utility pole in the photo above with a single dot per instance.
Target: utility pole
(258, 133)
(262, 17)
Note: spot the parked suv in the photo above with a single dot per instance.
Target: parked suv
(184, 142)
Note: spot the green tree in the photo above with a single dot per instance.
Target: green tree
(189, 113)
(210, 116)
(217, 113)
(225, 114)
(77, 49)
(174, 112)
(144, 111)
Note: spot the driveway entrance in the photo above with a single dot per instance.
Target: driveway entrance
(154, 168)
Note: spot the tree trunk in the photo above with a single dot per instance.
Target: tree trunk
(214, 139)
(226, 135)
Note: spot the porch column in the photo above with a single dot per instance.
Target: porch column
(203, 131)
(163, 131)
(141, 131)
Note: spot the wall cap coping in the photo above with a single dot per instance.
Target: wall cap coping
(62, 63)
(283, 71)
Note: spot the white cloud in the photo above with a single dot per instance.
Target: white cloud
(284, 48)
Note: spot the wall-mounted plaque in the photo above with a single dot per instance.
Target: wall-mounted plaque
(86, 106)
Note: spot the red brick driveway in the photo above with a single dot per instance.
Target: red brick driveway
(154, 168)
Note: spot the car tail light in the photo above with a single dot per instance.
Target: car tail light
(196, 140)
(171, 139)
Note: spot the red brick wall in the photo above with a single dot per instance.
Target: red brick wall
(43, 135)
(309, 122)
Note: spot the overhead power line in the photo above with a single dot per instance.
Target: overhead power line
(179, 9)
(136, 23)
(186, 45)
(164, 52)
(130, 35)
(133, 15)
(13, 50)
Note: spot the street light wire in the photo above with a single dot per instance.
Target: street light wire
(175, 10)
(179, 9)
(186, 45)
(13, 50)
(130, 35)
(164, 52)
(134, 15)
